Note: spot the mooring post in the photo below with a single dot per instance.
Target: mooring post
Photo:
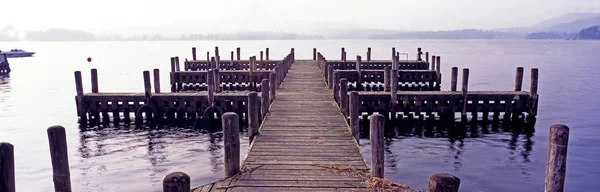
(344, 96)
(156, 81)
(210, 81)
(556, 166)
(94, 80)
(386, 79)
(194, 53)
(394, 63)
(213, 63)
(533, 92)
(443, 182)
(208, 63)
(267, 53)
(330, 76)
(272, 82)
(354, 114)
(217, 55)
(427, 57)
(336, 87)
(454, 79)
(79, 89)
(519, 79)
(433, 62)
(394, 86)
(147, 85)
(358, 63)
(231, 64)
(252, 64)
(231, 142)
(465, 84)
(368, 55)
(438, 67)
(217, 78)
(238, 53)
(177, 182)
(377, 149)
(419, 53)
(342, 54)
(264, 85)
(314, 53)
(60, 159)
(394, 53)
(177, 64)
(7, 167)
(261, 63)
(252, 115)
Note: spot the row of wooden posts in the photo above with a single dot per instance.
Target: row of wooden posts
(4, 65)
(238, 54)
(395, 54)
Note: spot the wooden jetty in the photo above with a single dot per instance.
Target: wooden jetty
(4, 65)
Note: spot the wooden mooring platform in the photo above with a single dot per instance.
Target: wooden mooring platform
(302, 120)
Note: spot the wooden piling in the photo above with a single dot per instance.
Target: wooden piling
(217, 54)
(231, 60)
(519, 79)
(147, 85)
(344, 96)
(7, 167)
(368, 54)
(267, 53)
(176, 182)
(208, 59)
(394, 86)
(377, 148)
(438, 67)
(336, 87)
(177, 64)
(272, 85)
(433, 62)
(394, 55)
(210, 86)
(231, 143)
(454, 79)
(60, 159)
(394, 62)
(217, 78)
(556, 166)
(261, 63)
(358, 63)
(264, 85)
(330, 76)
(252, 115)
(342, 54)
(443, 182)
(94, 80)
(386, 79)
(534, 81)
(238, 53)
(194, 53)
(314, 53)
(419, 53)
(354, 114)
(465, 84)
(156, 81)
(79, 89)
(427, 57)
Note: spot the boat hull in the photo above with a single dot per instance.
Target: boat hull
(20, 54)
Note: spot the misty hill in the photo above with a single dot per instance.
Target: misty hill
(454, 34)
(250, 36)
(590, 33)
(569, 23)
(57, 34)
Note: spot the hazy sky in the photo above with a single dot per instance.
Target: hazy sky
(201, 16)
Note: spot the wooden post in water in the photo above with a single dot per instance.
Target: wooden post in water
(443, 182)
(314, 53)
(427, 57)
(177, 182)
(210, 81)
(330, 76)
(147, 85)
(217, 57)
(386, 79)
(438, 67)
(394, 54)
(208, 63)
(231, 143)
(177, 64)
(264, 85)
(252, 115)
(94, 80)
(272, 85)
(354, 114)
(156, 81)
(342, 54)
(419, 53)
(60, 159)
(465, 89)
(519, 79)
(238, 53)
(433, 62)
(217, 78)
(533, 92)
(79, 89)
(7, 167)
(368, 55)
(358, 63)
(454, 79)
(377, 148)
(336, 87)
(231, 62)
(394, 86)
(252, 64)
(194, 53)
(394, 62)
(556, 166)
(261, 63)
(267, 53)
(344, 96)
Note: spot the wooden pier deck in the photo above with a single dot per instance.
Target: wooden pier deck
(303, 141)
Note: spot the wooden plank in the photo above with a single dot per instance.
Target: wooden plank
(307, 184)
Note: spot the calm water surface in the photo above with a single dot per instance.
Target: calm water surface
(40, 93)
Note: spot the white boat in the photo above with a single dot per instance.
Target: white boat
(17, 53)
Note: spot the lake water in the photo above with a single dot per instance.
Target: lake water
(40, 93)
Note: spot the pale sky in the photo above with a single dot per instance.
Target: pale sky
(301, 16)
